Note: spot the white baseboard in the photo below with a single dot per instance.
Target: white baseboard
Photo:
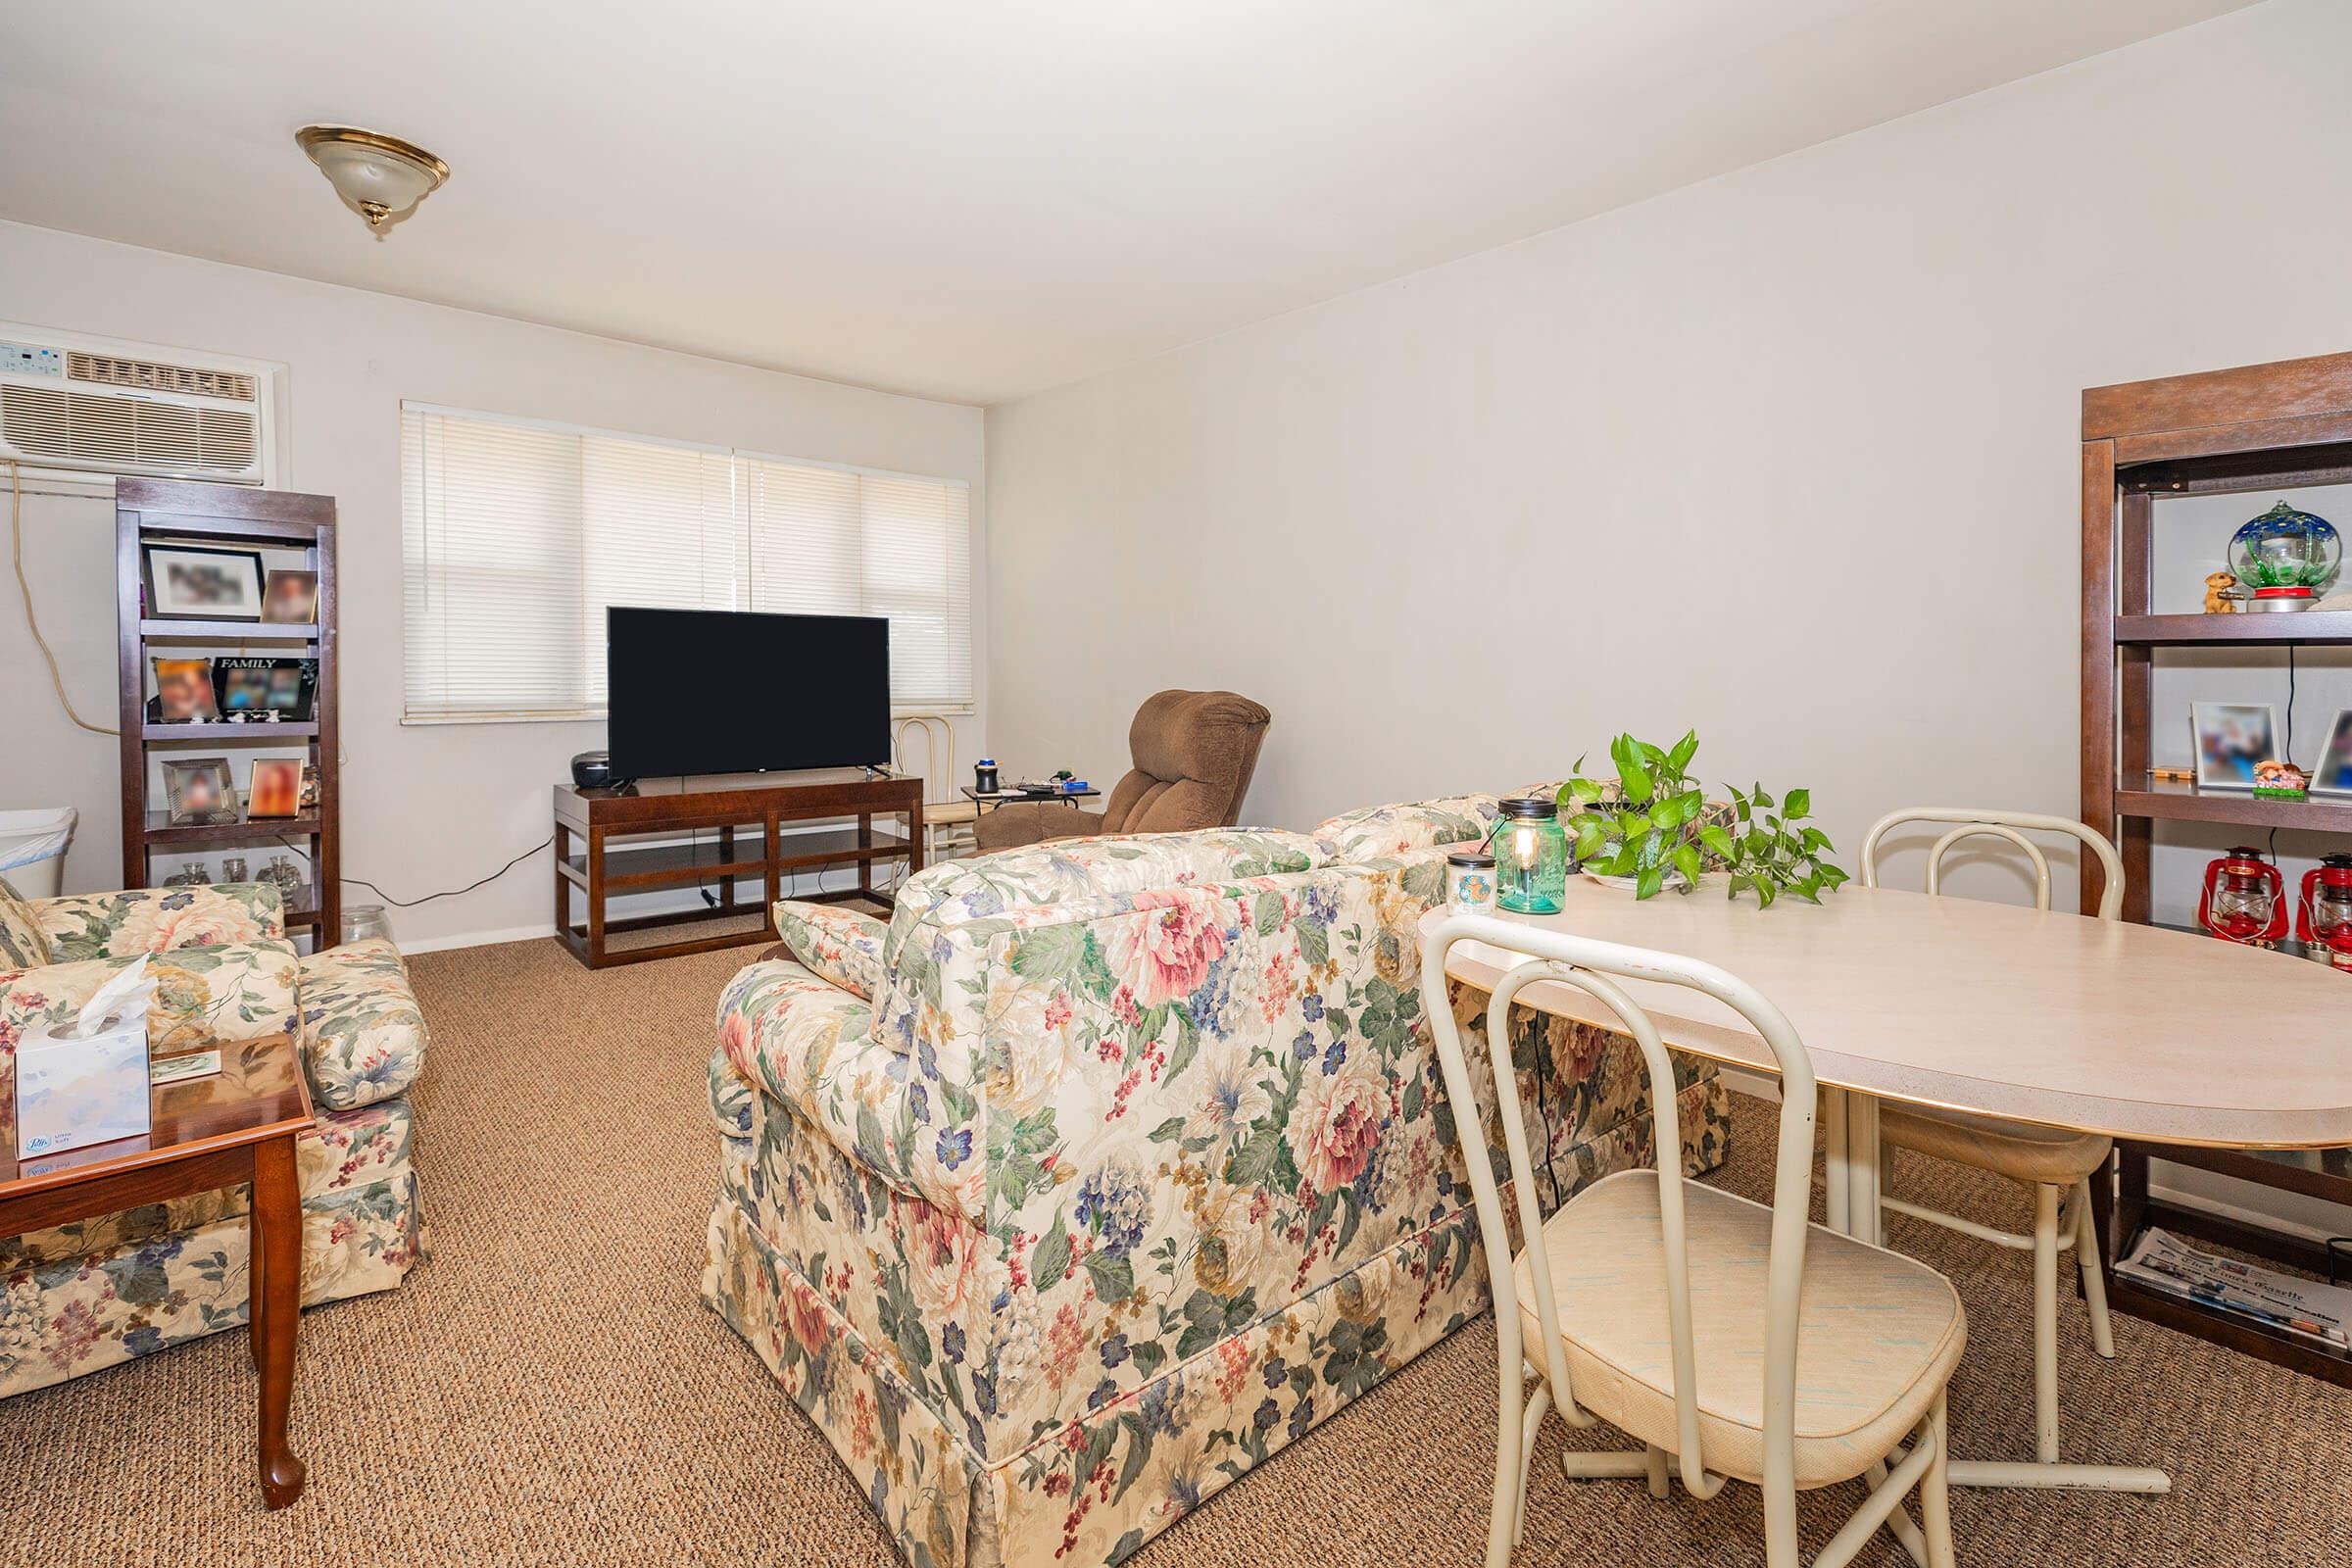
(477, 939)
(1763, 1086)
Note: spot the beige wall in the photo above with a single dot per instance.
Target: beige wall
(425, 807)
(1789, 456)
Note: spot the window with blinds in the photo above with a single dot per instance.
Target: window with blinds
(517, 536)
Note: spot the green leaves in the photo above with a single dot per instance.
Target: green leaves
(1632, 768)
(1653, 822)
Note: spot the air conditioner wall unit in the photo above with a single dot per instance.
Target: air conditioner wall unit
(76, 412)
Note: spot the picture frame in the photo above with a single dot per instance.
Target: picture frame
(266, 690)
(202, 792)
(273, 788)
(2332, 776)
(290, 598)
(2230, 741)
(183, 691)
(201, 582)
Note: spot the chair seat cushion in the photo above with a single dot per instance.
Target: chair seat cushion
(1878, 1333)
(2017, 1149)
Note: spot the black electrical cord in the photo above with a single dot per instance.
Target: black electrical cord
(2288, 742)
(2290, 704)
(450, 893)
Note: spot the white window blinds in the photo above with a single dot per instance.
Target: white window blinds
(517, 535)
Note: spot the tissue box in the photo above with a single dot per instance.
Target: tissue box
(74, 1093)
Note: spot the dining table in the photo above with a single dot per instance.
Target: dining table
(2041, 1016)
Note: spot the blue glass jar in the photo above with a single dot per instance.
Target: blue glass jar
(1531, 855)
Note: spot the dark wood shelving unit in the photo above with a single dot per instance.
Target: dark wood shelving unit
(2260, 427)
(251, 734)
(2159, 800)
(2305, 628)
(158, 510)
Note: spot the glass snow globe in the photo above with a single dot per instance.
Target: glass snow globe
(2285, 556)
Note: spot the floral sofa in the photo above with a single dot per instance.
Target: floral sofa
(82, 1297)
(1110, 1168)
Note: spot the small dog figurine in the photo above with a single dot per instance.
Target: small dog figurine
(2221, 597)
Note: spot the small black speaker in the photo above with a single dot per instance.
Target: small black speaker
(593, 770)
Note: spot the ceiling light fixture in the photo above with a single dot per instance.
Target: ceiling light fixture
(381, 178)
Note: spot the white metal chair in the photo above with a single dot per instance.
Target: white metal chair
(1733, 1340)
(2056, 1165)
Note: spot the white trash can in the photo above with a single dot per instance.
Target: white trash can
(32, 849)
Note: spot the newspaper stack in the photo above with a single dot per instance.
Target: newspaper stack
(2162, 1261)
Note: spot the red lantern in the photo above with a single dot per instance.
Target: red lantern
(2244, 899)
(2324, 919)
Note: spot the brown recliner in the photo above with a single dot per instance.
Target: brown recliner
(1193, 754)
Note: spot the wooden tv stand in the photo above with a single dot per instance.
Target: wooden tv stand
(603, 867)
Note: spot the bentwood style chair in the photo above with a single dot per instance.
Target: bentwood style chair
(1730, 1340)
(2054, 1165)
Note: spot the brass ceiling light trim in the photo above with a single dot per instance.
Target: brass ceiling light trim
(381, 178)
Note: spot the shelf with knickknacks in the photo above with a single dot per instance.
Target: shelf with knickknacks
(2154, 453)
(225, 623)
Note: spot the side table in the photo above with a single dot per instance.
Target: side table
(237, 1125)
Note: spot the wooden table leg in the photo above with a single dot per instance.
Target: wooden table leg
(276, 1310)
(596, 896)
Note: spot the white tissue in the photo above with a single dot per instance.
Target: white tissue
(121, 1002)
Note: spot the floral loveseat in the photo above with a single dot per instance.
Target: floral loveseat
(1111, 1168)
(83, 1296)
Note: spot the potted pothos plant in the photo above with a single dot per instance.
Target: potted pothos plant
(1654, 825)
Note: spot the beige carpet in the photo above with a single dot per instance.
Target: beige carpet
(549, 1390)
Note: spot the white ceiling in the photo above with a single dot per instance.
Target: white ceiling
(968, 200)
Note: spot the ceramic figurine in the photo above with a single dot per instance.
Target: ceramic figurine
(2279, 781)
(2220, 600)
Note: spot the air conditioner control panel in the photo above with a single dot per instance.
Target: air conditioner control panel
(24, 358)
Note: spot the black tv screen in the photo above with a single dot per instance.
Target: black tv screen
(716, 691)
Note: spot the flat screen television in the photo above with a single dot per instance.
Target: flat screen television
(716, 691)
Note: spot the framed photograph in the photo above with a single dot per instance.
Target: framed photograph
(290, 598)
(2333, 775)
(201, 792)
(274, 788)
(267, 689)
(2234, 740)
(183, 691)
(243, 689)
(195, 583)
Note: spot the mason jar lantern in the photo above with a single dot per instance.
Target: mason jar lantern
(1531, 855)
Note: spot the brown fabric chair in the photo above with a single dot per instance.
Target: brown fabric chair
(1193, 754)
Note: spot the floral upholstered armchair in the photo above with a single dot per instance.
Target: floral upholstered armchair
(82, 1297)
(1107, 1170)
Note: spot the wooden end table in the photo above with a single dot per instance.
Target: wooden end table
(237, 1125)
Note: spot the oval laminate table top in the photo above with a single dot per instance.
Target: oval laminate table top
(2042, 1016)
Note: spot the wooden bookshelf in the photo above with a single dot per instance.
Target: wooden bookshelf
(2263, 428)
(161, 511)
